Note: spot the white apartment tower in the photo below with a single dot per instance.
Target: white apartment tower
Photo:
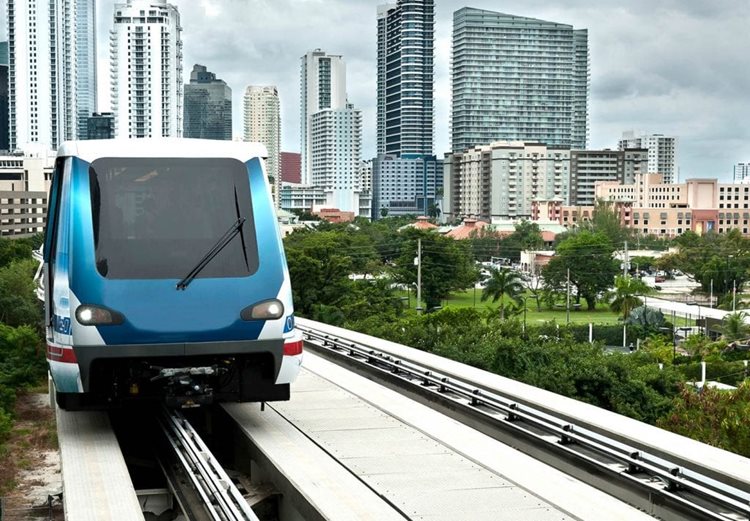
(322, 86)
(146, 69)
(43, 71)
(335, 154)
(662, 152)
(262, 117)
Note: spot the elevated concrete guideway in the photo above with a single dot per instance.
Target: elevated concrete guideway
(357, 450)
(96, 483)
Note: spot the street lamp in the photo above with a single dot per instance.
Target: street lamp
(524, 315)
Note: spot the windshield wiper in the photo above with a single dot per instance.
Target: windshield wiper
(225, 239)
(242, 235)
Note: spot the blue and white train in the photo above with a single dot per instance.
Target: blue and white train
(165, 275)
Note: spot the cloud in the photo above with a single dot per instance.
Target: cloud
(674, 66)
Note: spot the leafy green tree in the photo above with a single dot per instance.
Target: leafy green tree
(485, 243)
(384, 212)
(721, 258)
(503, 282)
(14, 249)
(605, 220)
(624, 298)
(718, 418)
(305, 215)
(588, 256)
(640, 263)
(526, 236)
(319, 268)
(446, 265)
(734, 327)
(18, 302)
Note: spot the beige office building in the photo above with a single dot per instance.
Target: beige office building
(262, 118)
(499, 181)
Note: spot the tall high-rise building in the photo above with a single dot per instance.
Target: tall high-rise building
(517, 78)
(146, 69)
(86, 69)
(322, 86)
(207, 107)
(741, 173)
(262, 118)
(662, 152)
(405, 77)
(43, 72)
(4, 123)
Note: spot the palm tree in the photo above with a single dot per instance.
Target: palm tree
(734, 327)
(503, 282)
(624, 298)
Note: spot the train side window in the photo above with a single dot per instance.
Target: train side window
(50, 231)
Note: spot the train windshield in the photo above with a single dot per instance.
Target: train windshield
(156, 218)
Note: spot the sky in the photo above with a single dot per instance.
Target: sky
(674, 67)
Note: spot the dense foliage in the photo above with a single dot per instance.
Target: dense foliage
(718, 260)
(547, 357)
(22, 363)
(712, 416)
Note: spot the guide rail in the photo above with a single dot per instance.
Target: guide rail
(218, 494)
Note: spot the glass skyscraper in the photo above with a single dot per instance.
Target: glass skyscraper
(405, 77)
(517, 78)
(85, 64)
(208, 106)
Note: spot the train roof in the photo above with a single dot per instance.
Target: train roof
(161, 147)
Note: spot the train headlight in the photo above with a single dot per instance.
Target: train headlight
(88, 315)
(266, 310)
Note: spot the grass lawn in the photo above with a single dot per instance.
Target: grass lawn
(465, 299)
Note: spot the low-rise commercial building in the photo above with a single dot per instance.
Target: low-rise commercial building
(24, 184)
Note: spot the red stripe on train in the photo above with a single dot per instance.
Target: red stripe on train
(293, 348)
(61, 354)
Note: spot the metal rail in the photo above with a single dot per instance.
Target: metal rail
(647, 481)
(218, 494)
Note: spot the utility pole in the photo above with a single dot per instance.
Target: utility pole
(567, 301)
(419, 275)
(734, 295)
(711, 298)
(626, 261)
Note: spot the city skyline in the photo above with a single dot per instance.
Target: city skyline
(677, 69)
